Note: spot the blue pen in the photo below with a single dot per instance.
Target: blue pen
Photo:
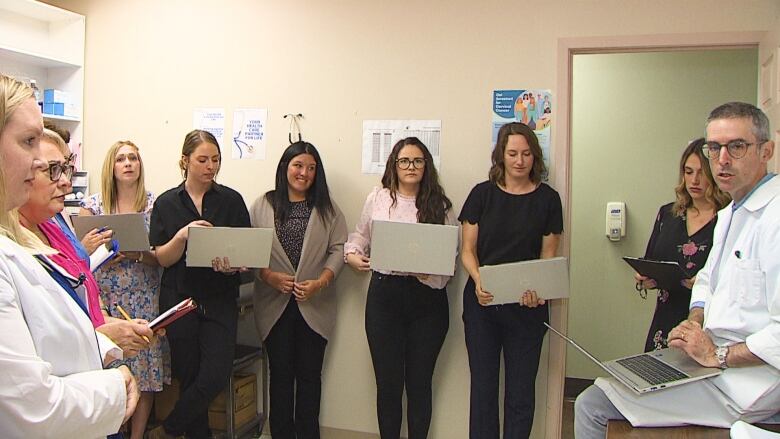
(102, 229)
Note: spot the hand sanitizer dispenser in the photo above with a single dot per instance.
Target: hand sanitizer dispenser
(616, 220)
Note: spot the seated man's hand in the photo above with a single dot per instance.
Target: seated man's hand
(688, 336)
(127, 334)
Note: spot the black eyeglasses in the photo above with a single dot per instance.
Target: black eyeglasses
(404, 163)
(57, 169)
(736, 148)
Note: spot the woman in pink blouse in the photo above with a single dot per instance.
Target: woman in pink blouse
(407, 314)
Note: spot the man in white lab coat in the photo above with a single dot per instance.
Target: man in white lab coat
(734, 320)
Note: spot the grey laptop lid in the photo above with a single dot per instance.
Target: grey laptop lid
(129, 229)
(244, 246)
(414, 247)
(507, 282)
(641, 380)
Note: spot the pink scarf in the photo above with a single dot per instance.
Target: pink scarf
(68, 259)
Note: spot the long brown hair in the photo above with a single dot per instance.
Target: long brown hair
(192, 141)
(431, 202)
(538, 170)
(713, 194)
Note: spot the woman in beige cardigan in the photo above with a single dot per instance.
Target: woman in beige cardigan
(295, 310)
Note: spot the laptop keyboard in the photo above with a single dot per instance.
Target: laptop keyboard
(651, 369)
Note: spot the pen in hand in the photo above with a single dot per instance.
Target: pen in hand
(127, 317)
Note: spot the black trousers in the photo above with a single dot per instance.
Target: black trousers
(295, 356)
(517, 331)
(202, 349)
(406, 322)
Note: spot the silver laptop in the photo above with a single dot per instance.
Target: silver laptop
(507, 282)
(651, 371)
(244, 246)
(414, 247)
(129, 229)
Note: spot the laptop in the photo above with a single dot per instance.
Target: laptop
(129, 229)
(414, 247)
(507, 282)
(244, 246)
(651, 371)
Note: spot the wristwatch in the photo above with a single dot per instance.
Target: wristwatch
(721, 353)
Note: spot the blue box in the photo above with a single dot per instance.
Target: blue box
(53, 96)
(56, 109)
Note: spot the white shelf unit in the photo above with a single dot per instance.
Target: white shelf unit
(45, 43)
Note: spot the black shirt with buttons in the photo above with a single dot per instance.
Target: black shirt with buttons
(174, 209)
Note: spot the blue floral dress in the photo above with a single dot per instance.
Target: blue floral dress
(136, 288)
(670, 242)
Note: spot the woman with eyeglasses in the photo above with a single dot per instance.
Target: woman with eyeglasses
(512, 217)
(682, 233)
(202, 342)
(47, 198)
(132, 279)
(407, 314)
(294, 302)
(52, 382)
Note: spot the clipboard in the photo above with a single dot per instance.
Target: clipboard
(174, 313)
(667, 274)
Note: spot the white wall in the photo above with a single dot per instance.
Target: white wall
(148, 63)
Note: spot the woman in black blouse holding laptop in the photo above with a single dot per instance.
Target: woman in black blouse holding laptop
(203, 342)
(509, 218)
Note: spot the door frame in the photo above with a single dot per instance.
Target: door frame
(561, 157)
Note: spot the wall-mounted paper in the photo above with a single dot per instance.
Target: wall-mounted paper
(531, 107)
(379, 136)
(249, 133)
(211, 120)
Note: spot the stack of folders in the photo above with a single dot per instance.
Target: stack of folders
(175, 313)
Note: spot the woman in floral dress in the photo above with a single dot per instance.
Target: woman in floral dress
(682, 233)
(131, 280)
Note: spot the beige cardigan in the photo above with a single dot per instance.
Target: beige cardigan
(323, 247)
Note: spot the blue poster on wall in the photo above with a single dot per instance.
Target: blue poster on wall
(531, 107)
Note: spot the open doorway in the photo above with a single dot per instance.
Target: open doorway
(561, 176)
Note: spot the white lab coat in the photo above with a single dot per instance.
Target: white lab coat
(51, 378)
(740, 287)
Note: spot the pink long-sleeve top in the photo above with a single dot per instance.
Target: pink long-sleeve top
(379, 206)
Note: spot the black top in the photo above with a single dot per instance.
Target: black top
(511, 226)
(670, 242)
(292, 231)
(174, 209)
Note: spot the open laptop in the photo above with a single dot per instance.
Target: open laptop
(129, 229)
(414, 247)
(651, 371)
(507, 282)
(244, 246)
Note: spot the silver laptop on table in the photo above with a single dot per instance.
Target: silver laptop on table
(414, 247)
(651, 371)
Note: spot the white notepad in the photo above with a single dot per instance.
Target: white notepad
(244, 246)
(507, 282)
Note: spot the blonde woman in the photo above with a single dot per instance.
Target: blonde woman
(134, 281)
(52, 382)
